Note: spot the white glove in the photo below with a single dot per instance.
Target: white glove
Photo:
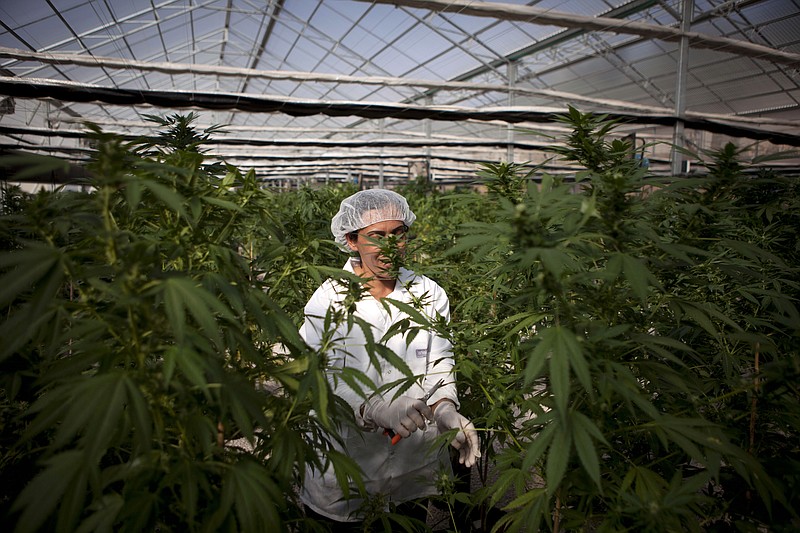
(466, 441)
(403, 415)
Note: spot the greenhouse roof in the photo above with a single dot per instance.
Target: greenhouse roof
(337, 89)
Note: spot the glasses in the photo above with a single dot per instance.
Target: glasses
(401, 232)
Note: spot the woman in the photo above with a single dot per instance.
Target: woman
(405, 471)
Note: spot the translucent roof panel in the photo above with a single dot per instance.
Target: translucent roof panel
(435, 73)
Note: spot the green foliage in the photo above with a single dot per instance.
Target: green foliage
(616, 345)
(575, 347)
(143, 333)
(626, 346)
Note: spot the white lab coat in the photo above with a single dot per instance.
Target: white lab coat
(407, 470)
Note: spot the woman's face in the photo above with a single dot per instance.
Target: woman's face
(368, 241)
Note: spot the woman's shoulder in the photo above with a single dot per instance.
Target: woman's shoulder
(420, 283)
(326, 294)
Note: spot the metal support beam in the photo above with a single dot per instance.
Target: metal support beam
(428, 130)
(680, 88)
(512, 80)
(380, 174)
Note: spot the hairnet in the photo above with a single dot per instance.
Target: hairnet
(368, 207)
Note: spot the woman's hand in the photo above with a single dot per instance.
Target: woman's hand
(403, 415)
(466, 440)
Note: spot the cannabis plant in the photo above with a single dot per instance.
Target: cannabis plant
(140, 343)
(624, 345)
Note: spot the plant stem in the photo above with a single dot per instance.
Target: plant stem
(557, 515)
(753, 402)
(108, 226)
(753, 412)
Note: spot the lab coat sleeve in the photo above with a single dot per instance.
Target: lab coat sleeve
(313, 332)
(313, 324)
(441, 362)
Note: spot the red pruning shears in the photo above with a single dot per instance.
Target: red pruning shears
(395, 437)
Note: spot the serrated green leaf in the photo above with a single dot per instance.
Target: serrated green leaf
(700, 317)
(519, 322)
(613, 268)
(415, 314)
(506, 478)
(133, 194)
(473, 243)
(27, 270)
(105, 513)
(140, 416)
(526, 499)
(566, 342)
(249, 490)
(106, 393)
(555, 260)
(189, 362)
(189, 479)
(183, 293)
(646, 484)
(638, 275)
(48, 409)
(168, 196)
(538, 446)
(557, 459)
(219, 202)
(40, 498)
(585, 448)
(174, 307)
(356, 380)
(322, 396)
(346, 470)
(753, 252)
(559, 379)
(590, 427)
(541, 354)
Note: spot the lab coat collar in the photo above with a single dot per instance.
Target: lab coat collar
(405, 280)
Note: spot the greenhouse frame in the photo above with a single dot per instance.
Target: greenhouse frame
(459, 266)
(391, 89)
